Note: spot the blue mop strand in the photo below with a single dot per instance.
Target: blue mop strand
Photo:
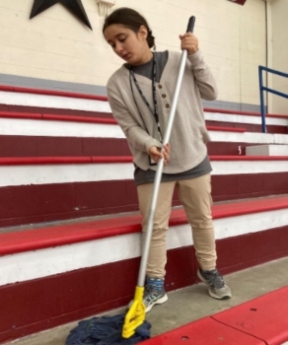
(106, 330)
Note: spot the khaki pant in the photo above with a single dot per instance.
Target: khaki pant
(195, 196)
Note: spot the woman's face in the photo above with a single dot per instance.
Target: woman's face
(130, 46)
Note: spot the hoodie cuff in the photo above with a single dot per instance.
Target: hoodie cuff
(196, 57)
(152, 142)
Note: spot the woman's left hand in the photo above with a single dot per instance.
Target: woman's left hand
(189, 42)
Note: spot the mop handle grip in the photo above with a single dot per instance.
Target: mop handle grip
(191, 23)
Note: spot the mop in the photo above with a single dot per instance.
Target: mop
(132, 328)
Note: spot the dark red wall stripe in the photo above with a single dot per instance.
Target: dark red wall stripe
(38, 146)
(39, 203)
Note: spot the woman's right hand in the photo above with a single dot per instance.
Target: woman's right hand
(156, 153)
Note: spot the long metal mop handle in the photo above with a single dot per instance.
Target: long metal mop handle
(157, 181)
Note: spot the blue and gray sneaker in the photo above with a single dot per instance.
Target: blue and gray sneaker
(154, 293)
(215, 283)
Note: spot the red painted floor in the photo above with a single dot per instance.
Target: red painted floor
(263, 320)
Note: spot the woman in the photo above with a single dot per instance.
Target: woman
(140, 94)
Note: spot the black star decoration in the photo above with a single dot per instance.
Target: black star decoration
(74, 6)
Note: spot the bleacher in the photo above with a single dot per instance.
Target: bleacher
(70, 228)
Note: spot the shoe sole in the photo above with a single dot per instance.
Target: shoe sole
(159, 301)
(211, 292)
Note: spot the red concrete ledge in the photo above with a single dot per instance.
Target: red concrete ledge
(261, 321)
(52, 236)
(105, 99)
(226, 129)
(205, 331)
(18, 115)
(63, 160)
(116, 159)
(86, 119)
(264, 318)
(55, 117)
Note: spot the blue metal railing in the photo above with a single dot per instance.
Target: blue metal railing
(264, 88)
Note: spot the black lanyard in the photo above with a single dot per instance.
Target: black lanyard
(154, 111)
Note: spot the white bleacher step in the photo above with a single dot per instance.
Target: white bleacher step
(267, 150)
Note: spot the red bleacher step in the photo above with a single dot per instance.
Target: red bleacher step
(51, 236)
(226, 129)
(265, 317)
(263, 320)
(117, 159)
(204, 332)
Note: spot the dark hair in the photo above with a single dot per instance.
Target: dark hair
(131, 19)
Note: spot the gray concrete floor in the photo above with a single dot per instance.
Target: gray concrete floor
(190, 304)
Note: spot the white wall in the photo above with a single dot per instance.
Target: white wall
(279, 49)
(56, 46)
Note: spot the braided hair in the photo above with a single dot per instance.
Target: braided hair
(131, 19)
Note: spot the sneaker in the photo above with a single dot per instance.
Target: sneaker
(154, 293)
(215, 282)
